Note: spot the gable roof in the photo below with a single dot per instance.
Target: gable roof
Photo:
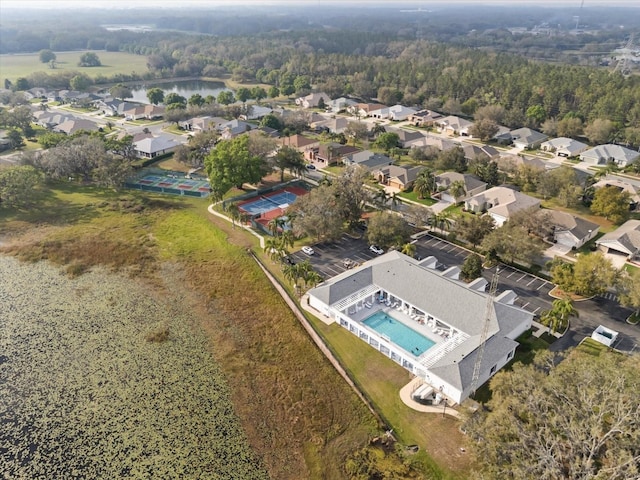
(448, 300)
(564, 144)
(404, 175)
(454, 122)
(405, 135)
(504, 201)
(475, 151)
(577, 226)
(610, 151)
(151, 145)
(527, 135)
(626, 235)
(74, 125)
(632, 190)
(431, 141)
(470, 182)
(368, 159)
(298, 141)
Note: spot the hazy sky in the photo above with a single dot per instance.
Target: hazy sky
(212, 3)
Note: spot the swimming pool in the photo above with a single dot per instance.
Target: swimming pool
(403, 336)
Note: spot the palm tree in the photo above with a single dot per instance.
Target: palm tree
(380, 198)
(443, 220)
(457, 189)
(272, 248)
(409, 249)
(425, 183)
(234, 213)
(286, 239)
(558, 317)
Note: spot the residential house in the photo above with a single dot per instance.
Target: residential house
(623, 241)
(397, 177)
(74, 125)
(456, 318)
(405, 137)
(313, 100)
(632, 190)
(234, 128)
(425, 118)
(564, 147)
(510, 163)
(472, 186)
(151, 147)
(527, 139)
(136, 112)
(331, 153)
(363, 109)
(503, 135)
(268, 131)
(202, 124)
(472, 152)
(396, 112)
(454, 126)
(429, 140)
(368, 160)
(340, 104)
(570, 230)
(304, 145)
(51, 119)
(151, 112)
(256, 112)
(501, 203)
(609, 153)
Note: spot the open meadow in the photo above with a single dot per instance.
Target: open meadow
(15, 66)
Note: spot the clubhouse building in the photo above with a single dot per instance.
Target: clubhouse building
(425, 320)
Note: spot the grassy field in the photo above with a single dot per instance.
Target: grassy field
(15, 66)
(299, 417)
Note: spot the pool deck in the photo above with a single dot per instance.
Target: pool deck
(409, 388)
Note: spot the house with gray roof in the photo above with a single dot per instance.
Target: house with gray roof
(340, 104)
(564, 147)
(623, 241)
(425, 118)
(472, 186)
(405, 137)
(472, 152)
(368, 160)
(527, 138)
(454, 126)
(151, 147)
(442, 320)
(429, 140)
(396, 176)
(632, 190)
(501, 203)
(609, 153)
(396, 112)
(313, 100)
(234, 128)
(74, 125)
(570, 230)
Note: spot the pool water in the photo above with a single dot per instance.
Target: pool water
(403, 336)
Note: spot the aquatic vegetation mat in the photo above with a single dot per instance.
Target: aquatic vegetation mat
(99, 379)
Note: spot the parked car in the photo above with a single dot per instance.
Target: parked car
(347, 263)
(289, 260)
(311, 166)
(376, 249)
(308, 250)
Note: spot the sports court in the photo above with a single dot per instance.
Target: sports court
(266, 207)
(174, 183)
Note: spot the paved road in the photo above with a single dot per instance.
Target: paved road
(532, 291)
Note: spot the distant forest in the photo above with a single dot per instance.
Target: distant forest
(457, 64)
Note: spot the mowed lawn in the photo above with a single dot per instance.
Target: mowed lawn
(15, 66)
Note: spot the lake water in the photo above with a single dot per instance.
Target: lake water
(186, 88)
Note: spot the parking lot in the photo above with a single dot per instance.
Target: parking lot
(533, 292)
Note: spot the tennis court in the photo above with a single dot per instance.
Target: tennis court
(279, 200)
(174, 183)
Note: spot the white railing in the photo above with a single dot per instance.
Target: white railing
(434, 354)
(355, 297)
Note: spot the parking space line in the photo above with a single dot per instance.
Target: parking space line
(451, 249)
(536, 310)
(525, 305)
(521, 277)
(509, 276)
(543, 284)
(534, 279)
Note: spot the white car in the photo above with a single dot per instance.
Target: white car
(308, 250)
(376, 249)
